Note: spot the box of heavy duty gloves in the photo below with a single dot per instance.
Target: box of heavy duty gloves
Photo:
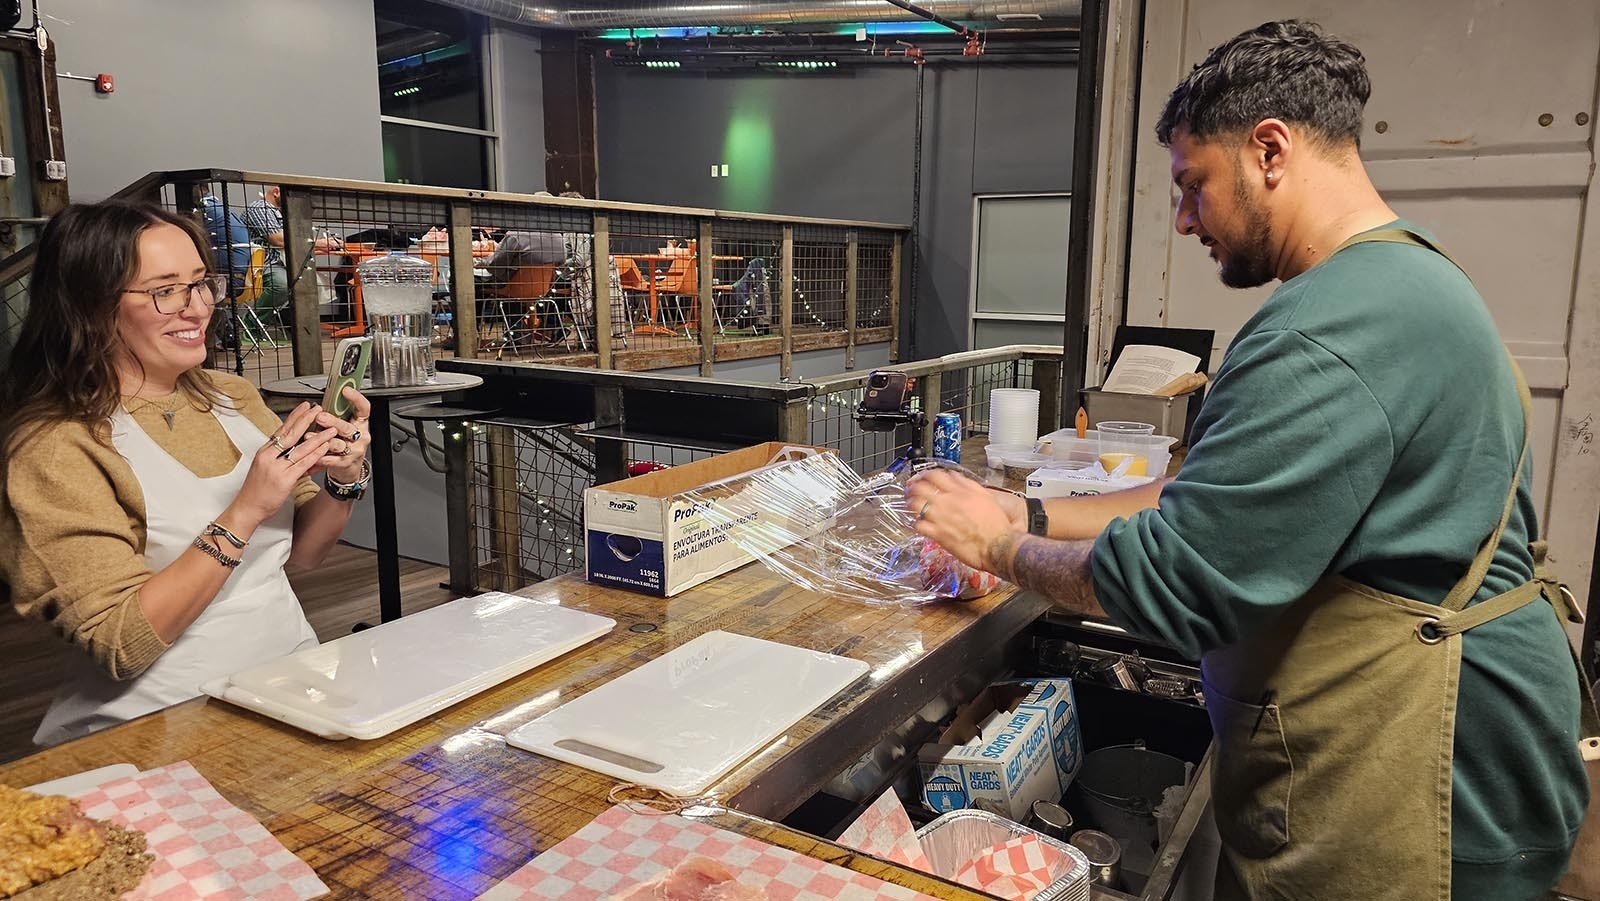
(1016, 743)
(643, 535)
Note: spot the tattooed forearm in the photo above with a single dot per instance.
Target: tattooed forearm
(1059, 570)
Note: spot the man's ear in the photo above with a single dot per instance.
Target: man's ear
(1271, 147)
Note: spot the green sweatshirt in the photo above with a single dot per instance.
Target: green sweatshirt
(1365, 421)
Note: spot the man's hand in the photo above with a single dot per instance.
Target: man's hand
(966, 519)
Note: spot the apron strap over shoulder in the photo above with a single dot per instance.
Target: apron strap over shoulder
(1467, 588)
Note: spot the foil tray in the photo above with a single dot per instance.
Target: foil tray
(959, 835)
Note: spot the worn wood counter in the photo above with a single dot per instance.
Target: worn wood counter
(445, 809)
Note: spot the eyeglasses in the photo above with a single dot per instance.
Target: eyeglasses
(173, 299)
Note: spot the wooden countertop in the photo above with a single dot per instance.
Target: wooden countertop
(445, 809)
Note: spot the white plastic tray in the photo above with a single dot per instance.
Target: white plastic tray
(371, 683)
(685, 719)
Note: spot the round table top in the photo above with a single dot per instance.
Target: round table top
(315, 385)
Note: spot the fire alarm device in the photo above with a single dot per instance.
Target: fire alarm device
(104, 83)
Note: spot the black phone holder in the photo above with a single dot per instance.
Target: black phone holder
(887, 405)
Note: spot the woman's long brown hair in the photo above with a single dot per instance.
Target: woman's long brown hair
(63, 368)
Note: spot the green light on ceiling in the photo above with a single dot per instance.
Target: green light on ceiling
(662, 64)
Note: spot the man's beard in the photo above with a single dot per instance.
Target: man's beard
(1249, 264)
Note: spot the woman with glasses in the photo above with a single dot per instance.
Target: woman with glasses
(148, 506)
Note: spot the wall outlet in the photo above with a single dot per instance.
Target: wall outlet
(8, 167)
(55, 170)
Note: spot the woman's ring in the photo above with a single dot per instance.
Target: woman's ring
(275, 442)
(924, 511)
(287, 454)
(355, 435)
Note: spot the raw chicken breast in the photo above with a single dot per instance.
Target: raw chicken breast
(696, 879)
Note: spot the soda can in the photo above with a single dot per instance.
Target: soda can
(947, 437)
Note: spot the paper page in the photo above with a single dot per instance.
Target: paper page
(1142, 368)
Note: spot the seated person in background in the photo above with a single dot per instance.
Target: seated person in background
(580, 262)
(266, 226)
(148, 506)
(518, 249)
(230, 240)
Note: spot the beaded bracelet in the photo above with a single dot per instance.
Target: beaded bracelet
(353, 491)
(212, 552)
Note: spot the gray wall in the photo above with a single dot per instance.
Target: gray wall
(841, 145)
(286, 86)
(519, 109)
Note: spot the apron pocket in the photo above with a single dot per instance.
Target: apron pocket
(1253, 776)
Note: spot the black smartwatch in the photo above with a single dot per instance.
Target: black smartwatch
(1038, 521)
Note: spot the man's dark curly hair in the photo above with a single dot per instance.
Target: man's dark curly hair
(1285, 70)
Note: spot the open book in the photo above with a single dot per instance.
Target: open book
(1144, 368)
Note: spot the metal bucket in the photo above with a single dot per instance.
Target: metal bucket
(1121, 786)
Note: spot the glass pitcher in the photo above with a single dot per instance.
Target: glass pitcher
(397, 293)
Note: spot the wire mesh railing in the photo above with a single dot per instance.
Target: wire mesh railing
(528, 480)
(518, 277)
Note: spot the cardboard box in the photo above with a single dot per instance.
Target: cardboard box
(642, 536)
(1011, 746)
(1048, 482)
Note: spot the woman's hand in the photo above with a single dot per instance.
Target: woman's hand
(343, 455)
(965, 518)
(280, 463)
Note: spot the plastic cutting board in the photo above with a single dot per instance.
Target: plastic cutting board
(685, 719)
(371, 683)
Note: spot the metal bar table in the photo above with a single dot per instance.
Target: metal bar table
(383, 526)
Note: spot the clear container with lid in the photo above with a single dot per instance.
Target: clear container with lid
(397, 294)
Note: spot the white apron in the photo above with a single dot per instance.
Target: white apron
(254, 618)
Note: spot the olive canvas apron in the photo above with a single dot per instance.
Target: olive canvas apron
(1335, 727)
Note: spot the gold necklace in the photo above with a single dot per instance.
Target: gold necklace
(167, 414)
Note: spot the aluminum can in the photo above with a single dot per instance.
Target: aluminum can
(947, 437)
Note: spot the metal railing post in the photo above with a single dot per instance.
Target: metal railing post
(894, 299)
(458, 504)
(463, 290)
(852, 275)
(929, 388)
(786, 302)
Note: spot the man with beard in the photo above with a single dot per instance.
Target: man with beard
(1351, 547)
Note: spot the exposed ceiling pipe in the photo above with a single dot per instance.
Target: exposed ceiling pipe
(600, 14)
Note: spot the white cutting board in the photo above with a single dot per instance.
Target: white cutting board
(370, 683)
(682, 721)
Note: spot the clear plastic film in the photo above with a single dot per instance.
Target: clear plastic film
(822, 526)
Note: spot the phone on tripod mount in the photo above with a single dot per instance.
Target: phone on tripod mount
(890, 402)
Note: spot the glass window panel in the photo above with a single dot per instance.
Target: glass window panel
(426, 156)
(1022, 254)
(988, 333)
(430, 64)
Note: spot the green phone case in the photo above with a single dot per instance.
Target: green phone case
(350, 360)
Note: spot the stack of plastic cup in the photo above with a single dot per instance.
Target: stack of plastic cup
(1013, 416)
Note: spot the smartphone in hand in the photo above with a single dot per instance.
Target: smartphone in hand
(350, 361)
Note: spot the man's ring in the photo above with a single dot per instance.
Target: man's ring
(275, 442)
(924, 511)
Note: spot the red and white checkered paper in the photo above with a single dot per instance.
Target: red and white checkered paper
(620, 849)
(1016, 870)
(885, 831)
(204, 847)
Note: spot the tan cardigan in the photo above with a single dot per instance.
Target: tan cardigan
(72, 523)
